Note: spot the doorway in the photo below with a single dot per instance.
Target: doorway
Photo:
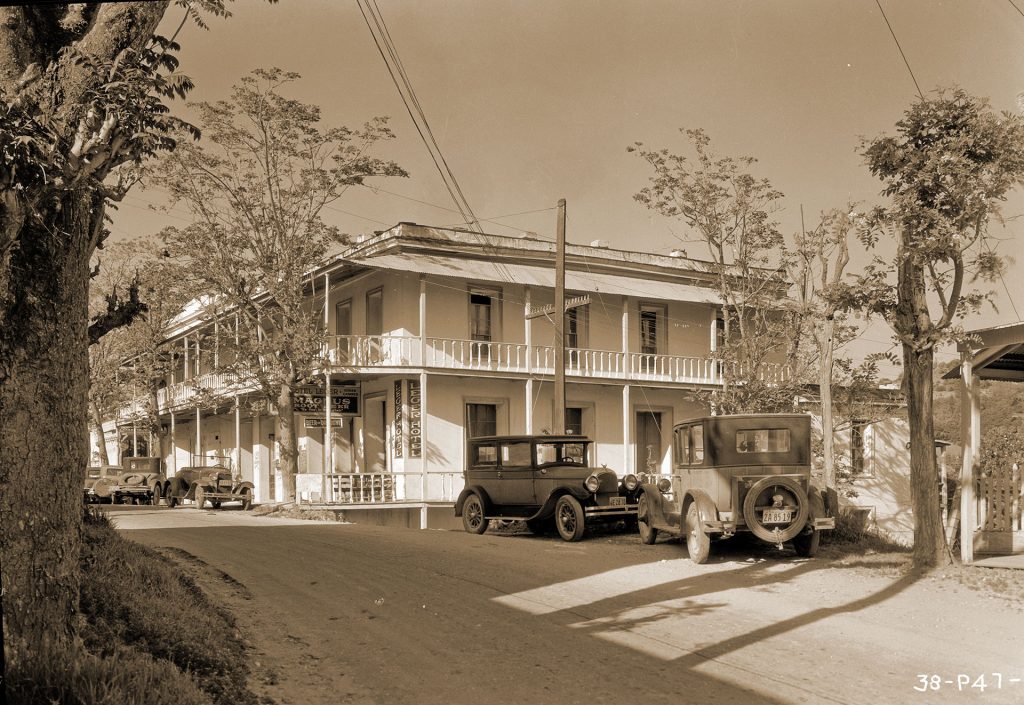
(374, 432)
(649, 447)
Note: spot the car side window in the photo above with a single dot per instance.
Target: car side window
(546, 453)
(762, 440)
(515, 455)
(697, 444)
(683, 446)
(486, 455)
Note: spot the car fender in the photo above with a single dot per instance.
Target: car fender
(242, 485)
(705, 505)
(655, 507)
(548, 508)
(472, 489)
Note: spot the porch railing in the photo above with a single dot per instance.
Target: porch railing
(391, 487)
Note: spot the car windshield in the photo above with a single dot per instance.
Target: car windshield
(94, 472)
(562, 453)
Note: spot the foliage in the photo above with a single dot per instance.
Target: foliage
(1000, 449)
(256, 188)
(729, 210)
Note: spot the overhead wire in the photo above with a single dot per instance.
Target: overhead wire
(905, 61)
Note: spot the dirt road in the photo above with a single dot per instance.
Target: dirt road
(360, 614)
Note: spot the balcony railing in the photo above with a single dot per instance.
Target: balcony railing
(368, 352)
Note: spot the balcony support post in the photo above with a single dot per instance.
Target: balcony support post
(528, 338)
(174, 445)
(199, 435)
(529, 405)
(627, 445)
(425, 454)
(238, 436)
(328, 430)
(423, 320)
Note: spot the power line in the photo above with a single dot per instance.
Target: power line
(386, 47)
(1016, 8)
(914, 78)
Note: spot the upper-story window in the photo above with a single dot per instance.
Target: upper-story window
(652, 322)
(343, 329)
(375, 312)
(576, 327)
(483, 310)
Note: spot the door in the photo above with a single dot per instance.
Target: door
(649, 449)
(374, 435)
(514, 487)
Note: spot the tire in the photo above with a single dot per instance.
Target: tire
(172, 493)
(157, 494)
(200, 497)
(569, 518)
(754, 523)
(473, 519)
(807, 544)
(246, 499)
(648, 534)
(126, 499)
(698, 544)
(215, 503)
(539, 527)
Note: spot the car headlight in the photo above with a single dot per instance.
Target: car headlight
(664, 485)
(630, 481)
(592, 483)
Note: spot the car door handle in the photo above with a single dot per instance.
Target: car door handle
(543, 471)
(499, 473)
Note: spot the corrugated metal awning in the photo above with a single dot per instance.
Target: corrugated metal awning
(575, 280)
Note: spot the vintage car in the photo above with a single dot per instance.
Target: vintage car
(543, 480)
(738, 473)
(141, 482)
(214, 484)
(99, 481)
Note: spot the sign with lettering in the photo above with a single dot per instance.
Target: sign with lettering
(321, 422)
(396, 435)
(415, 430)
(344, 399)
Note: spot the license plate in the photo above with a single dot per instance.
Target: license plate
(618, 501)
(777, 516)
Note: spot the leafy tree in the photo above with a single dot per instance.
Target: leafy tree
(82, 90)
(946, 172)
(730, 212)
(256, 188)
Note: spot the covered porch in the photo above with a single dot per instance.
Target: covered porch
(990, 502)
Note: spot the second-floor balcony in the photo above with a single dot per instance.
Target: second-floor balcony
(369, 353)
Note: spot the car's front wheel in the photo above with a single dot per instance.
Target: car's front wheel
(246, 499)
(157, 494)
(200, 496)
(569, 518)
(698, 544)
(473, 519)
(172, 492)
(648, 534)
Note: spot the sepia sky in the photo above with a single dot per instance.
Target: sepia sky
(536, 100)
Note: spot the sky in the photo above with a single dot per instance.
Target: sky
(536, 100)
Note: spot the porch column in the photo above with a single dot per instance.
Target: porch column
(199, 436)
(328, 431)
(627, 456)
(423, 320)
(185, 371)
(528, 338)
(625, 336)
(713, 347)
(424, 454)
(529, 405)
(174, 445)
(259, 489)
(238, 437)
(970, 434)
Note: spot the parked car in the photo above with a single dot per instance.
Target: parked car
(99, 481)
(141, 482)
(738, 473)
(544, 480)
(214, 484)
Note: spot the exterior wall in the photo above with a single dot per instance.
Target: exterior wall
(883, 491)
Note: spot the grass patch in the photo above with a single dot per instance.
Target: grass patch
(851, 536)
(149, 636)
(291, 511)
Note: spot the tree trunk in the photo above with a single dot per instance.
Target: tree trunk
(288, 441)
(44, 425)
(827, 423)
(929, 540)
(97, 422)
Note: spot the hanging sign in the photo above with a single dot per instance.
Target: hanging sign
(344, 399)
(321, 422)
(396, 434)
(415, 431)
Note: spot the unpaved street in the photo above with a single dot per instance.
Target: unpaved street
(344, 613)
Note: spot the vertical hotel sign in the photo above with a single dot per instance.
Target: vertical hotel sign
(415, 431)
(397, 426)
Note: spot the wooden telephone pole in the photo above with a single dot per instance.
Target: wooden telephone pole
(559, 308)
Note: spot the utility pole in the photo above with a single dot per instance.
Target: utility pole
(556, 313)
(558, 420)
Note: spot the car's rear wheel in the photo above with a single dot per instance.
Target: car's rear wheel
(157, 494)
(569, 518)
(200, 496)
(172, 492)
(807, 544)
(246, 499)
(473, 519)
(648, 534)
(215, 503)
(698, 544)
